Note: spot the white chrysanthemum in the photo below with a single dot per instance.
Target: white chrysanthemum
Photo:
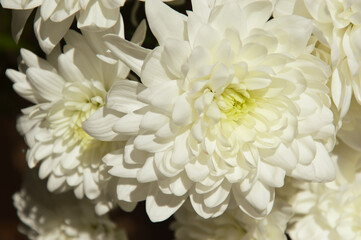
(66, 90)
(232, 225)
(331, 210)
(230, 104)
(54, 17)
(46, 216)
(339, 27)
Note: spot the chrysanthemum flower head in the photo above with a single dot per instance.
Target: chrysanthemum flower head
(66, 89)
(338, 26)
(330, 210)
(46, 216)
(233, 224)
(231, 103)
(54, 17)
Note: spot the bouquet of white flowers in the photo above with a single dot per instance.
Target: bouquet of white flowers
(239, 117)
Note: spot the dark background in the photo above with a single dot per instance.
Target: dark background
(13, 148)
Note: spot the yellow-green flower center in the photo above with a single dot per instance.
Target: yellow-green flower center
(235, 103)
(80, 116)
(80, 101)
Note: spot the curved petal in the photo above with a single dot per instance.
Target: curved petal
(96, 17)
(161, 206)
(164, 21)
(19, 18)
(99, 125)
(50, 33)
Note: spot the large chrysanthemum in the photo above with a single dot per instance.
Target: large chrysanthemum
(231, 103)
(54, 17)
(66, 90)
(46, 216)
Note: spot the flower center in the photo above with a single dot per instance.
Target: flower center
(80, 116)
(235, 103)
(80, 101)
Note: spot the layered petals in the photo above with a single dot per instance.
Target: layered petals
(227, 110)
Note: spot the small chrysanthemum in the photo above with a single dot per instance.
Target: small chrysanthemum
(66, 89)
(330, 210)
(46, 216)
(231, 103)
(338, 26)
(233, 224)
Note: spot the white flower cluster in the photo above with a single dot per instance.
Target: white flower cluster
(330, 210)
(232, 225)
(234, 98)
(46, 216)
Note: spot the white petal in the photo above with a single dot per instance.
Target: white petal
(147, 173)
(160, 206)
(62, 11)
(44, 31)
(321, 169)
(122, 97)
(68, 70)
(122, 171)
(45, 168)
(83, 56)
(150, 143)
(20, 4)
(140, 33)
(55, 183)
(130, 53)
(201, 8)
(48, 84)
(22, 86)
(218, 195)
(257, 82)
(165, 95)
(133, 155)
(153, 72)
(130, 190)
(180, 155)
(204, 211)
(91, 189)
(258, 13)
(182, 111)
(113, 3)
(271, 175)
(180, 184)
(257, 202)
(96, 17)
(99, 125)
(306, 149)
(228, 16)
(197, 171)
(47, 8)
(175, 54)
(164, 21)
(283, 157)
(95, 40)
(19, 18)
(293, 33)
(128, 124)
(153, 121)
(31, 60)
